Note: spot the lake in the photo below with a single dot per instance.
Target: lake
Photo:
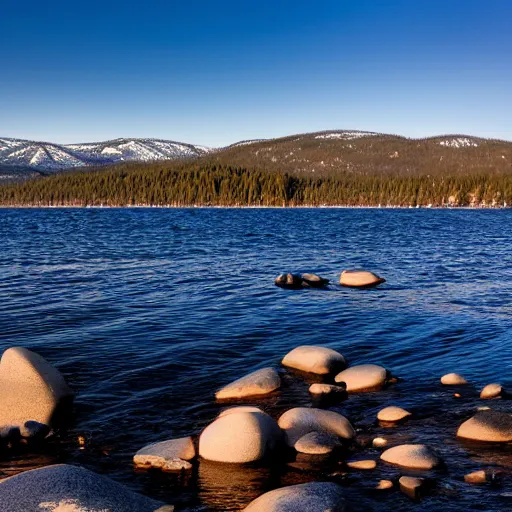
(147, 312)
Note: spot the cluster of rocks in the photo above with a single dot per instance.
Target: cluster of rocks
(350, 278)
(33, 392)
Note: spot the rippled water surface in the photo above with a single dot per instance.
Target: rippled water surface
(147, 312)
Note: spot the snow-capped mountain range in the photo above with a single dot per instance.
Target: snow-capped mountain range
(47, 157)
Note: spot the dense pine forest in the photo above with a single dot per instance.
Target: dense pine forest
(203, 183)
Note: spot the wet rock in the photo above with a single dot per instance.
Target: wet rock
(313, 496)
(171, 455)
(31, 391)
(314, 281)
(488, 426)
(491, 391)
(69, 488)
(411, 486)
(476, 477)
(360, 279)
(317, 443)
(413, 456)
(392, 414)
(289, 281)
(302, 420)
(364, 377)
(241, 408)
(240, 437)
(362, 464)
(453, 379)
(260, 382)
(384, 484)
(314, 359)
(379, 442)
(328, 390)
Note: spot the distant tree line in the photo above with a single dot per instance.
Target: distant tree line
(213, 184)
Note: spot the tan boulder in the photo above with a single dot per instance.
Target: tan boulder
(317, 443)
(170, 455)
(314, 359)
(384, 484)
(362, 464)
(491, 391)
(411, 486)
(241, 408)
(379, 442)
(313, 496)
(239, 437)
(476, 477)
(488, 426)
(360, 279)
(413, 456)
(392, 414)
(302, 420)
(364, 377)
(260, 382)
(31, 390)
(453, 379)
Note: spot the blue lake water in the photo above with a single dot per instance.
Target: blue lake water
(148, 311)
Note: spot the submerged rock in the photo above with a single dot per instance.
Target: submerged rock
(392, 414)
(453, 379)
(413, 456)
(314, 359)
(314, 281)
(488, 426)
(364, 377)
(69, 488)
(171, 455)
(240, 437)
(290, 281)
(313, 496)
(317, 443)
(31, 391)
(491, 391)
(302, 420)
(260, 382)
(360, 279)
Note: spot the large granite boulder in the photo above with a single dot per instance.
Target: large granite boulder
(364, 377)
(317, 443)
(171, 455)
(488, 426)
(300, 421)
(31, 391)
(360, 279)
(69, 489)
(310, 497)
(260, 382)
(412, 456)
(240, 437)
(314, 359)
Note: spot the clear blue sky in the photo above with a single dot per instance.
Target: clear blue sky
(217, 72)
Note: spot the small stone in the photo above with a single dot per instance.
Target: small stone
(327, 389)
(171, 455)
(362, 464)
(457, 395)
(379, 442)
(384, 484)
(413, 456)
(483, 408)
(317, 443)
(491, 391)
(488, 426)
(360, 279)
(477, 477)
(314, 359)
(364, 377)
(453, 379)
(392, 414)
(260, 382)
(411, 486)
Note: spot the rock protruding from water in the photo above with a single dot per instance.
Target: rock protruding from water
(317, 443)
(315, 359)
(364, 377)
(453, 379)
(289, 281)
(302, 420)
(360, 279)
(362, 464)
(491, 391)
(329, 390)
(171, 455)
(240, 437)
(313, 496)
(31, 391)
(476, 477)
(488, 426)
(411, 486)
(260, 382)
(392, 414)
(69, 488)
(412, 456)
(314, 281)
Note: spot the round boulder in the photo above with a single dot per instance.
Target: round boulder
(313, 496)
(171, 455)
(488, 426)
(453, 379)
(260, 382)
(392, 414)
(360, 279)
(302, 420)
(317, 443)
(239, 437)
(364, 377)
(491, 391)
(314, 359)
(413, 456)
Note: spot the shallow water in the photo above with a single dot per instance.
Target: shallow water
(147, 312)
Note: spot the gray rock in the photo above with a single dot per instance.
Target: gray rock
(413, 456)
(310, 497)
(171, 455)
(363, 377)
(69, 489)
(488, 426)
(314, 359)
(260, 382)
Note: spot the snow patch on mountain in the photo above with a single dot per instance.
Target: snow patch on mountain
(460, 142)
(345, 135)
